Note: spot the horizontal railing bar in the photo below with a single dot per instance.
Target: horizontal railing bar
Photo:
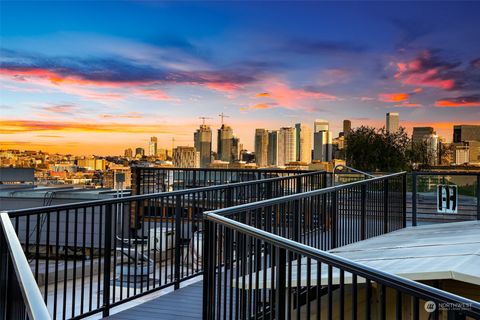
(19, 212)
(391, 280)
(225, 170)
(34, 304)
(445, 173)
(297, 196)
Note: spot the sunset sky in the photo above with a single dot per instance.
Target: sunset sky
(98, 77)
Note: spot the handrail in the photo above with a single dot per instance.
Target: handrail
(297, 196)
(350, 168)
(34, 303)
(81, 204)
(225, 170)
(391, 280)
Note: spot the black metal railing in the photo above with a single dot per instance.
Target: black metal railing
(19, 299)
(152, 180)
(253, 273)
(89, 257)
(422, 201)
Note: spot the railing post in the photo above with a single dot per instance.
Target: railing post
(178, 227)
(363, 221)
(299, 184)
(3, 275)
(280, 289)
(334, 219)
(107, 262)
(478, 196)
(208, 271)
(194, 177)
(385, 205)
(404, 200)
(414, 199)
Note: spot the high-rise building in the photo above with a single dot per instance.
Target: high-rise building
(288, 146)
(235, 149)
(303, 143)
(322, 141)
(152, 147)
(185, 157)
(392, 122)
(432, 141)
(129, 153)
(261, 147)
(203, 144)
(273, 148)
(419, 133)
(322, 149)
(224, 143)
(320, 125)
(347, 126)
(466, 133)
(139, 152)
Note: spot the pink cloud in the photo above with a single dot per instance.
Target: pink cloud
(154, 94)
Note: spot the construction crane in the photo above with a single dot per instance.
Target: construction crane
(176, 140)
(222, 115)
(203, 119)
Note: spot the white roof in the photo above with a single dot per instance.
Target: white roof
(431, 252)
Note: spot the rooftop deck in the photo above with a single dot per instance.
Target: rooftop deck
(182, 304)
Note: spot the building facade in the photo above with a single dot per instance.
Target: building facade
(203, 144)
(185, 157)
(303, 143)
(392, 122)
(261, 147)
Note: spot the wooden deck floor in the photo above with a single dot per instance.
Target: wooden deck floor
(184, 303)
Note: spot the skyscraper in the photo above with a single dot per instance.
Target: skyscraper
(224, 143)
(303, 143)
(139, 152)
(128, 153)
(466, 133)
(322, 141)
(419, 133)
(273, 148)
(392, 122)
(203, 144)
(288, 146)
(152, 146)
(347, 126)
(261, 147)
(235, 149)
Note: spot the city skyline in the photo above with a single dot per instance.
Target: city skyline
(76, 84)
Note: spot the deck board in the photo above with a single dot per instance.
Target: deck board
(184, 303)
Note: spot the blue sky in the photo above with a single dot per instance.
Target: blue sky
(98, 77)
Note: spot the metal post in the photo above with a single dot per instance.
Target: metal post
(299, 184)
(363, 221)
(208, 271)
(414, 199)
(404, 200)
(178, 227)
(280, 289)
(385, 205)
(3, 275)
(478, 196)
(107, 262)
(334, 219)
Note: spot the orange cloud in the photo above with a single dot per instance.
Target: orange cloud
(19, 126)
(393, 97)
(458, 102)
(258, 106)
(263, 94)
